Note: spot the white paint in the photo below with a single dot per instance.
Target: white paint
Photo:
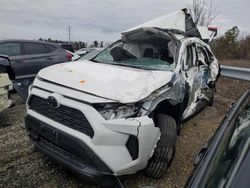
(110, 136)
(123, 84)
(175, 20)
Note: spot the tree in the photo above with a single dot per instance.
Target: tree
(101, 44)
(228, 46)
(232, 34)
(202, 12)
(95, 43)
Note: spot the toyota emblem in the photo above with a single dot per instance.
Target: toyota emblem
(52, 102)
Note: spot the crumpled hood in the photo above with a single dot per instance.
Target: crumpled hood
(123, 84)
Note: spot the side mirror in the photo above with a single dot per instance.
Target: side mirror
(214, 31)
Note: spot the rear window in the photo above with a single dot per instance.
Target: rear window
(51, 48)
(68, 47)
(10, 49)
(34, 48)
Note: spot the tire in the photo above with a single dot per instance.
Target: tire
(165, 148)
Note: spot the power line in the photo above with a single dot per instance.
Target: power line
(34, 16)
(52, 15)
(40, 14)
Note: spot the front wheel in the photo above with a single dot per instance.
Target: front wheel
(165, 149)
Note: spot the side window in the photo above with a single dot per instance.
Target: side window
(10, 49)
(34, 48)
(190, 57)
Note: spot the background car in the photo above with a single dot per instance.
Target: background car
(90, 55)
(27, 57)
(225, 160)
(84, 51)
(66, 46)
(74, 55)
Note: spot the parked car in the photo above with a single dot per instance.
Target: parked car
(225, 160)
(66, 46)
(90, 55)
(27, 58)
(120, 112)
(74, 55)
(84, 51)
(5, 85)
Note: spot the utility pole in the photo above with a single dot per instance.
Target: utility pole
(69, 34)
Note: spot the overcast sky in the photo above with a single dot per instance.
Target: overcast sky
(101, 20)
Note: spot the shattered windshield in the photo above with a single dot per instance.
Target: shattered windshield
(233, 146)
(149, 56)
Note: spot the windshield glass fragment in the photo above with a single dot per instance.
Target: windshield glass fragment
(151, 53)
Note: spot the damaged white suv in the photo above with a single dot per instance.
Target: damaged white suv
(120, 112)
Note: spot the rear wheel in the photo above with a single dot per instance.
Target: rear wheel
(165, 149)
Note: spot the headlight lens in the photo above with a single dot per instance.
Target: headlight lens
(116, 111)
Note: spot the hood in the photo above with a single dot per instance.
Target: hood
(178, 21)
(122, 84)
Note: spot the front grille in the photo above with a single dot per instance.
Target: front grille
(60, 150)
(65, 115)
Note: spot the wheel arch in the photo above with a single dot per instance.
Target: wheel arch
(169, 107)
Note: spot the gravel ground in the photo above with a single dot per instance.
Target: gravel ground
(22, 166)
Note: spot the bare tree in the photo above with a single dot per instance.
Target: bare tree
(203, 12)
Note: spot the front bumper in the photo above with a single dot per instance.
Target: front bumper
(70, 152)
(111, 137)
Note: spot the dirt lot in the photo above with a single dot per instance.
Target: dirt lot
(21, 166)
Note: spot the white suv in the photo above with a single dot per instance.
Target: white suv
(120, 112)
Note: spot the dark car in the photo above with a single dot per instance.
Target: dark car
(67, 46)
(27, 58)
(225, 160)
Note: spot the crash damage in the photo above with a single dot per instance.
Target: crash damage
(133, 97)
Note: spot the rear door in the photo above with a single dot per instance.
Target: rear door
(192, 78)
(35, 56)
(197, 74)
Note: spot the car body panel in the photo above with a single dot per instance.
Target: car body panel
(197, 77)
(205, 158)
(25, 65)
(175, 20)
(110, 136)
(179, 22)
(123, 84)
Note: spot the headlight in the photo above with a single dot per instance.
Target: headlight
(116, 111)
